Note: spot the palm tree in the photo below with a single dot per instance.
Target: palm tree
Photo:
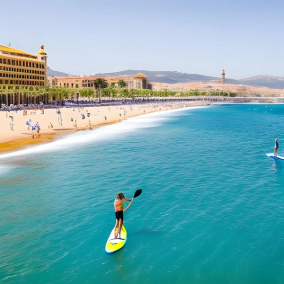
(113, 92)
(132, 93)
(124, 93)
(121, 83)
(1, 99)
(100, 83)
(65, 93)
(90, 93)
(72, 92)
(55, 93)
(37, 94)
(32, 94)
(46, 94)
(8, 94)
(82, 93)
(28, 94)
(59, 92)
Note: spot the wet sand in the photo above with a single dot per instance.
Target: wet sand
(20, 143)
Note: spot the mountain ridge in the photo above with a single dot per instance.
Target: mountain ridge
(54, 73)
(174, 77)
(170, 77)
(273, 82)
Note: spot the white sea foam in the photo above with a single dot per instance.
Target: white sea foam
(4, 170)
(99, 134)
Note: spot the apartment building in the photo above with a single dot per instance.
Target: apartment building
(19, 68)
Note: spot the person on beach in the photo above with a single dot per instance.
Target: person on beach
(118, 208)
(276, 146)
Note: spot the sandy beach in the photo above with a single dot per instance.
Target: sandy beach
(15, 133)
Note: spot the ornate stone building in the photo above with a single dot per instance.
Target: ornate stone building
(79, 82)
(139, 81)
(19, 72)
(20, 68)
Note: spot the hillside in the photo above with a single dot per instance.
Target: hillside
(54, 73)
(264, 81)
(174, 77)
(170, 77)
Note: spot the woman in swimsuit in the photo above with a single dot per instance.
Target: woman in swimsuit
(276, 146)
(118, 208)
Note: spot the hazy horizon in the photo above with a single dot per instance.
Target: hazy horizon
(110, 72)
(256, 75)
(203, 37)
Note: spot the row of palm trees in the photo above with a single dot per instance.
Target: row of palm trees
(35, 94)
(17, 94)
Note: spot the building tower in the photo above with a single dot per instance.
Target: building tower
(223, 77)
(139, 81)
(43, 56)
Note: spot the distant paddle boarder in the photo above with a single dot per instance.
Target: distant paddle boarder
(118, 208)
(276, 146)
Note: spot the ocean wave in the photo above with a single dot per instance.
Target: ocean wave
(103, 133)
(4, 170)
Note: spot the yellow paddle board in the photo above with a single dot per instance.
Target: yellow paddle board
(114, 244)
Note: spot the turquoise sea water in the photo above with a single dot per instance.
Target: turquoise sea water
(211, 210)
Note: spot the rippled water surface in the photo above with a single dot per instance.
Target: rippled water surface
(211, 210)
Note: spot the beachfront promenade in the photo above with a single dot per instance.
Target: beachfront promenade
(149, 99)
(212, 99)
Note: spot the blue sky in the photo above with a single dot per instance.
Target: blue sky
(203, 37)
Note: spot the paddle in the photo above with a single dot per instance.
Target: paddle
(136, 194)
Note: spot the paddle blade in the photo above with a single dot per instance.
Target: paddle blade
(137, 193)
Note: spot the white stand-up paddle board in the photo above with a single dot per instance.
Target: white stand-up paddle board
(114, 244)
(274, 157)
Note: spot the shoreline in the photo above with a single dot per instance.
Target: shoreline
(96, 118)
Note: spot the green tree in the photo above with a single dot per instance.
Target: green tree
(90, 93)
(113, 92)
(46, 94)
(106, 92)
(124, 93)
(100, 83)
(132, 93)
(72, 94)
(83, 93)
(65, 94)
(121, 83)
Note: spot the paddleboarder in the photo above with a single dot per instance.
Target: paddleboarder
(118, 208)
(118, 235)
(276, 146)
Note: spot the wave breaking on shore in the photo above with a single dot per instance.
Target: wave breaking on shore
(102, 133)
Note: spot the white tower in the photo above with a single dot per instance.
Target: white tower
(43, 56)
(223, 77)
